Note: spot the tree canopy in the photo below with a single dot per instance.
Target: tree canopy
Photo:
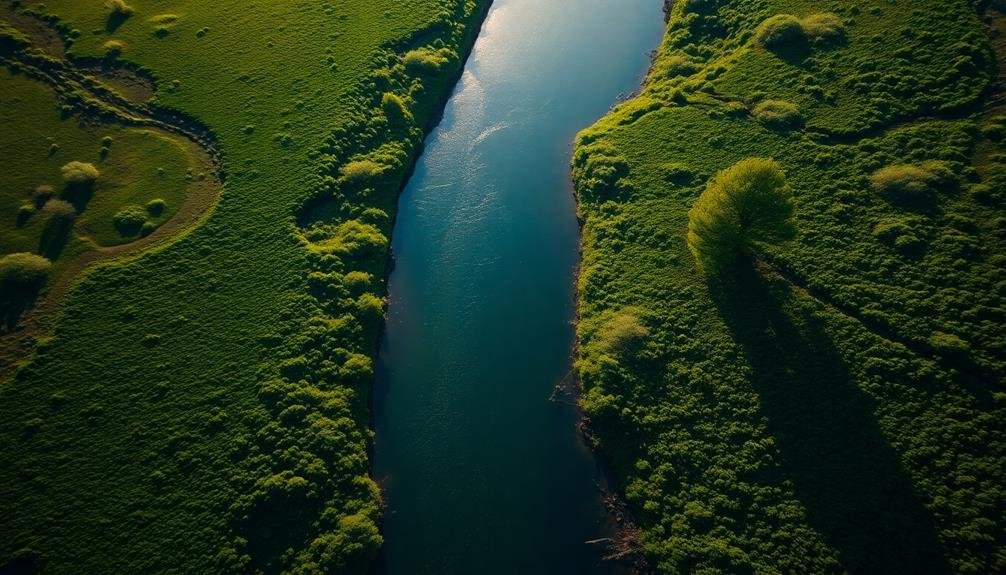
(746, 203)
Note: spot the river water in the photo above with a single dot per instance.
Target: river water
(482, 473)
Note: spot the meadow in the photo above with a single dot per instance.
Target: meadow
(832, 402)
(201, 405)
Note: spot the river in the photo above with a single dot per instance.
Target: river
(482, 473)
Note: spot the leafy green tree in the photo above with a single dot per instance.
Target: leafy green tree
(746, 203)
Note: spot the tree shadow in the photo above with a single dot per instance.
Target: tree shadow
(115, 19)
(856, 492)
(54, 238)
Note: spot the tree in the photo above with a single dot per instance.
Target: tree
(80, 173)
(23, 271)
(747, 203)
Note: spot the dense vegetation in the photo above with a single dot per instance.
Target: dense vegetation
(832, 403)
(202, 407)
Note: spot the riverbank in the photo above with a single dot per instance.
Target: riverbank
(753, 422)
(221, 380)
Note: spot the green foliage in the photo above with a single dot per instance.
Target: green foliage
(20, 271)
(747, 203)
(60, 210)
(195, 432)
(836, 405)
(119, 7)
(780, 31)
(156, 207)
(129, 220)
(910, 183)
(80, 173)
(826, 27)
(778, 114)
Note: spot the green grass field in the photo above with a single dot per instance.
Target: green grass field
(139, 166)
(202, 406)
(834, 403)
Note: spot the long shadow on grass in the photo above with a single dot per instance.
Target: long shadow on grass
(845, 472)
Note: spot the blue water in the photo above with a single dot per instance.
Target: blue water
(482, 473)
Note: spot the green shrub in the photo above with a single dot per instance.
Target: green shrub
(678, 65)
(424, 61)
(395, 109)
(129, 220)
(23, 271)
(41, 195)
(60, 211)
(113, 48)
(746, 203)
(80, 173)
(156, 207)
(24, 213)
(362, 171)
(620, 332)
(119, 7)
(780, 31)
(778, 114)
(911, 183)
(949, 344)
(826, 27)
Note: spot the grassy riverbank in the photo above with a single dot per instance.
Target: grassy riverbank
(833, 403)
(203, 407)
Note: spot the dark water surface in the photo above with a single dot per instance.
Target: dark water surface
(483, 474)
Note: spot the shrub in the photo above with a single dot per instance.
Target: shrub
(620, 332)
(24, 212)
(424, 60)
(677, 65)
(156, 207)
(907, 183)
(826, 27)
(23, 271)
(60, 211)
(395, 109)
(113, 48)
(949, 344)
(119, 7)
(361, 171)
(129, 220)
(746, 203)
(780, 31)
(41, 195)
(80, 173)
(778, 114)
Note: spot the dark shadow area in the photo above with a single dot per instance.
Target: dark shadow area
(54, 238)
(78, 194)
(857, 494)
(26, 564)
(14, 304)
(115, 19)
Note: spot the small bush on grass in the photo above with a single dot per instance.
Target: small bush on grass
(778, 114)
(60, 211)
(41, 195)
(119, 7)
(907, 183)
(824, 27)
(80, 173)
(156, 207)
(746, 203)
(23, 271)
(780, 31)
(129, 220)
(113, 48)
